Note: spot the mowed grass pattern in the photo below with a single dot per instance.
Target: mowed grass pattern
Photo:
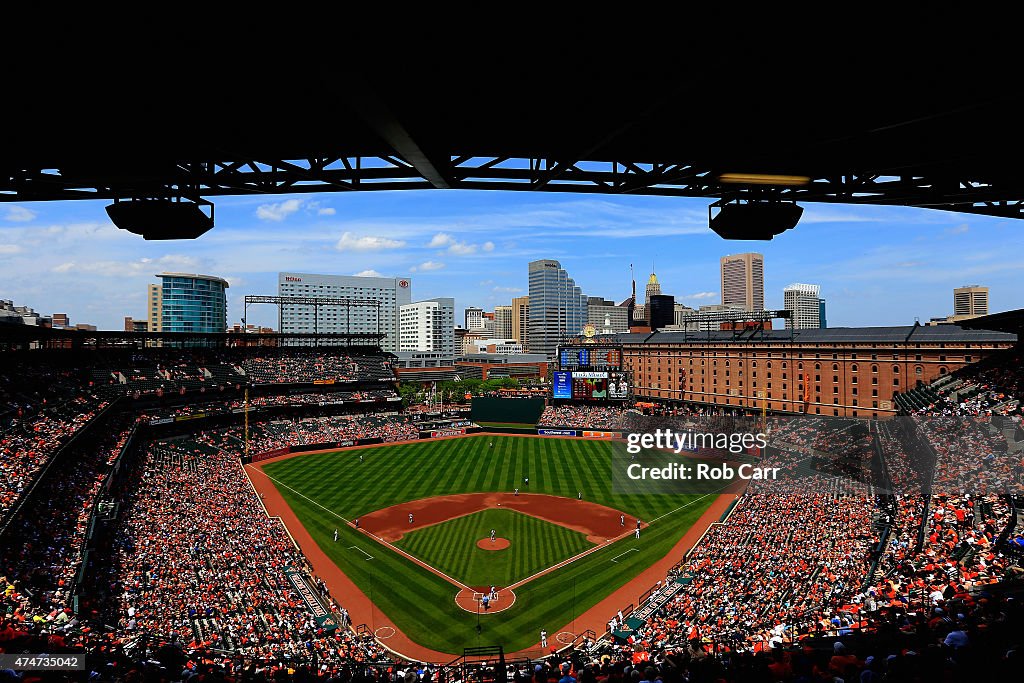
(336, 486)
(452, 547)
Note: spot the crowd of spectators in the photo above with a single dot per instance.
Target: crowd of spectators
(582, 417)
(269, 401)
(28, 442)
(315, 365)
(794, 559)
(198, 559)
(272, 435)
(994, 386)
(791, 553)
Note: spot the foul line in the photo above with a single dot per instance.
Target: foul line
(368, 555)
(299, 493)
(373, 536)
(713, 493)
(616, 558)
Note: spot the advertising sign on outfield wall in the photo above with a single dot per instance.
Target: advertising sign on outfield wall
(557, 432)
(588, 434)
(447, 432)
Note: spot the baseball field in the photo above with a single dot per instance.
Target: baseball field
(421, 536)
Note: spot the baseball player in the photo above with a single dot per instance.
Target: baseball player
(638, 531)
(579, 495)
(622, 520)
(357, 522)
(492, 537)
(410, 521)
(543, 638)
(335, 535)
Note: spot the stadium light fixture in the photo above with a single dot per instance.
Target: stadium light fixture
(764, 179)
(162, 218)
(753, 220)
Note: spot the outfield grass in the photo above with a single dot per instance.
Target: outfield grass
(421, 603)
(452, 547)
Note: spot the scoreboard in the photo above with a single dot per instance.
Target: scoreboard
(596, 357)
(591, 373)
(590, 385)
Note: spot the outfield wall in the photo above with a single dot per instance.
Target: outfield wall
(522, 410)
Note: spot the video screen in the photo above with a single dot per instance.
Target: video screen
(562, 380)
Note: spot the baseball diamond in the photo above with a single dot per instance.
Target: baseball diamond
(407, 579)
(535, 545)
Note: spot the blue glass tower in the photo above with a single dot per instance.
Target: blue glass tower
(193, 303)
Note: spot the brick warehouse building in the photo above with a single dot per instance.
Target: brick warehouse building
(850, 372)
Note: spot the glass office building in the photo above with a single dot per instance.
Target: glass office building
(558, 307)
(190, 303)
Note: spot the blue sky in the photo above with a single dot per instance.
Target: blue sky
(876, 265)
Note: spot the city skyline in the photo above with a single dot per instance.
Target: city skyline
(474, 247)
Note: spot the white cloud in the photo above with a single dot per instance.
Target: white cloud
(701, 295)
(488, 246)
(441, 239)
(368, 273)
(326, 211)
(351, 242)
(9, 249)
(958, 230)
(279, 211)
(462, 248)
(142, 266)
(18, 214)
(510, 290)
(430, 265)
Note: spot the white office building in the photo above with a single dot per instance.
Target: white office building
(391, 292)
(804, 303)
(428, 326)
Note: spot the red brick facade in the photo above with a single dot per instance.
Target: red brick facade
(849, 379)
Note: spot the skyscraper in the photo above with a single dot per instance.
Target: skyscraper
(743, 281)
(186, 302)
(474, 318)
(521, 319)
(503, 322)
(805, 303)
(599, 310)
(391, 292)
(970, 300)
(557, 306)
(428, 326)
(661, 310)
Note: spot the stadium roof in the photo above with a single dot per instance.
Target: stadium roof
(866, 136)
(923, 334)
(1007, 321)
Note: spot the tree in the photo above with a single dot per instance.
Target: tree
(410, 394)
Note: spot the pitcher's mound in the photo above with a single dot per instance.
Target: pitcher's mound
(496, 544)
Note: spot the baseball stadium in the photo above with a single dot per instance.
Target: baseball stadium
(329, 502)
